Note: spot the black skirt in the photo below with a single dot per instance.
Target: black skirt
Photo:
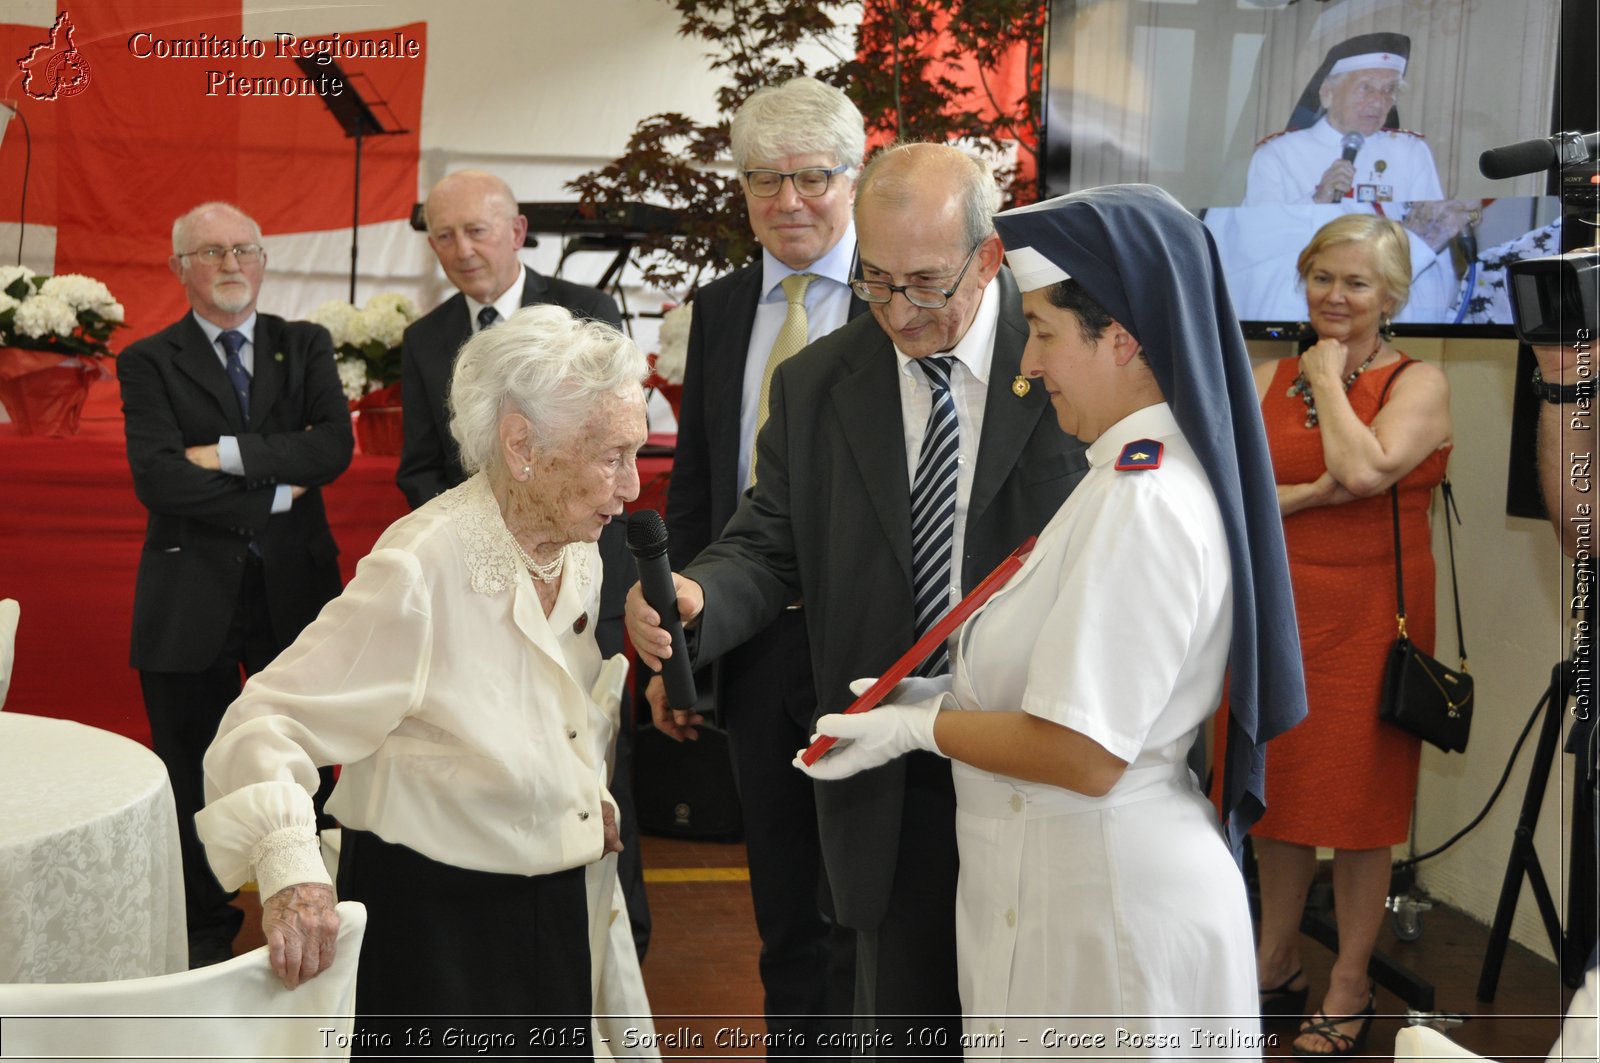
(466, 963)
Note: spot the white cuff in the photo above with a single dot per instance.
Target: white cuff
(288, 856)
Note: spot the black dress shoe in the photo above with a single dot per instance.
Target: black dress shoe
(203, 952)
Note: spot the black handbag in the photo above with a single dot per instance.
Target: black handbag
(1420, 694)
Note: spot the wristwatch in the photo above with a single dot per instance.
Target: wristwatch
(1561, 394)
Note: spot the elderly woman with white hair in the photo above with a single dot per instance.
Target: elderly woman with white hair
(452, 680)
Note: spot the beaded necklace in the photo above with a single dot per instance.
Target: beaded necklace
(546, 572)
(1302, 386)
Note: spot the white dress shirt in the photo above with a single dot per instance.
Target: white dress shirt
(969, 384)
(827, 308)
(228, 457)
(461, 714)
(509, 303)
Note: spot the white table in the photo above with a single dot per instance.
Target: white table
(91, 879)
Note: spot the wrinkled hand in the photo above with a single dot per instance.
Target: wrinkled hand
(302, 930)
(677, 725)
(207, 457)
(649, 638)
(608, 821)
(1435, 222)
(875, 737)
(1323, 365)
(1336, 181)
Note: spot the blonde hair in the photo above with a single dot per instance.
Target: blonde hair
(1391, 251)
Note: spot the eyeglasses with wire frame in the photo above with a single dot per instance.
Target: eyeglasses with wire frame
(926, 296)
(211, 255)
(810, 182)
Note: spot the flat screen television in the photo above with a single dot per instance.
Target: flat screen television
(1221, 103)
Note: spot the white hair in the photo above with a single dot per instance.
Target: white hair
(180, 227)
(544, 363)
(802, 116)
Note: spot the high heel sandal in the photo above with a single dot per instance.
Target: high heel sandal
(1328, 1029)
(1284, 999)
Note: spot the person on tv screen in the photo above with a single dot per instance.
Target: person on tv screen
(1342, 143)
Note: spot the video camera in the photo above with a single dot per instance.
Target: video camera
(1556, 300)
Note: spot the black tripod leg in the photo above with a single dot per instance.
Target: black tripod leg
(1524, 859)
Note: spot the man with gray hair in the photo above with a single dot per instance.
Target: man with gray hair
(797, 148)
(902, 460)
(234, 420)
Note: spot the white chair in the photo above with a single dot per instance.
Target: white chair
(236, 1010)
(10, 613)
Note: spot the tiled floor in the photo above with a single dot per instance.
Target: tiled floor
(702, 978)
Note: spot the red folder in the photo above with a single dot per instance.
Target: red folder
(932, 640)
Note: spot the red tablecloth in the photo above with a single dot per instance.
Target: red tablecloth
(70, 534)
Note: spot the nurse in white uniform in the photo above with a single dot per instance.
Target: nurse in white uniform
(1099, 911)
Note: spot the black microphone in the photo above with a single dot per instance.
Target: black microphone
(1352, 145)
(1532, 156)
(647, 540)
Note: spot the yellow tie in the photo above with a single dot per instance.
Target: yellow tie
(791, 338)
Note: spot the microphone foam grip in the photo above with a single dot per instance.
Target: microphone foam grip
(1514, 160)
(1351, 145)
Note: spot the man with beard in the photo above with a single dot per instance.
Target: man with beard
(234, 420)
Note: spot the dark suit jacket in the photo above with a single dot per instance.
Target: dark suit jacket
(429, 462)
(175, 394)
(830, 519)
(704, 490)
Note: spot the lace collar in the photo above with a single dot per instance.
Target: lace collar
(488, 550)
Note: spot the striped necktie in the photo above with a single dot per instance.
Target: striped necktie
(791, 338)
(933, 509)
(232, 343)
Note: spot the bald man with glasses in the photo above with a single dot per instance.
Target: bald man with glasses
(234, 419)
(901, 461)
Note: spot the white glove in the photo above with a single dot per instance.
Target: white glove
(869, 739)
(907, 691)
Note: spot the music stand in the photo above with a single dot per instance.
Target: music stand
(355, 116)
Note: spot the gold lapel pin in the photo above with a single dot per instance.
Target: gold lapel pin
(1020, 386)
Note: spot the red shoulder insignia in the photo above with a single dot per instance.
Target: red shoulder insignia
(1409, 133)
(1272, 136)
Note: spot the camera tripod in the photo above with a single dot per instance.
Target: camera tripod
(1573, 944)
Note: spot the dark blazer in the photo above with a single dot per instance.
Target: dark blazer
(704, 490)
(175, 394)
(830, 520)
(429, 462)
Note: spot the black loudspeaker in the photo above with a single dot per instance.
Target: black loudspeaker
(686, 789)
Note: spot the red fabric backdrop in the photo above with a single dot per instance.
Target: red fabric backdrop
(113, 165)
(70, 534)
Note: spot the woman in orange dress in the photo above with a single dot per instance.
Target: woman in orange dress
(1342, 778)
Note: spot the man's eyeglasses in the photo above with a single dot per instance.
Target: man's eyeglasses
(810, 182)
(927, 296)
(244, 254)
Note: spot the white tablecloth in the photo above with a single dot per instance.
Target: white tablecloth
(91, 880)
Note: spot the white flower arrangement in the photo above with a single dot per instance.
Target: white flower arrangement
(366, 341)
(674, 344)
(68, 314)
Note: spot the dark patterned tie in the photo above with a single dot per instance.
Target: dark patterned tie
(933, 509)
(233, 342)
(486, 317)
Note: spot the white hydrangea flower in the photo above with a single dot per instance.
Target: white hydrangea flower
(395, 303)
(674, 343)
(353, 377)
(114, 312)
(338, 318)
(8, 303)
(383, 324)
(9, 274)
(44, 315)
(78, 291)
